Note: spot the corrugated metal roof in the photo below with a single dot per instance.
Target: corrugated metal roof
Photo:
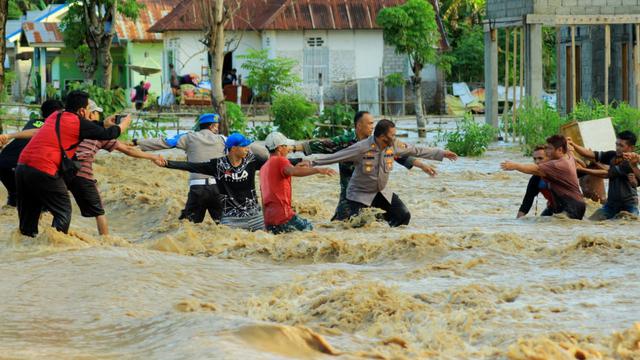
(136, 30)
(42, 34)
(289, 15)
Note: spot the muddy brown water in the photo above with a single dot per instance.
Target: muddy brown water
(465, 280)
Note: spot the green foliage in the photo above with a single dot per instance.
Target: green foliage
(237, 119)
(17, 8)
(467, 55)
(470, 138)
(52, 93)
(340, 116)
(625, 117)
(111, 101)
(268, 76)
(411, 28)
(260, 132)
(9, 77)
(394, 80)
(536, 121)
(293, 114)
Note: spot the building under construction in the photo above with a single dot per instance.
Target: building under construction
(598, 56)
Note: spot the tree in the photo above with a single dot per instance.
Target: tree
(89, 27)
(413, 30)
(216, 14)
(269, 76)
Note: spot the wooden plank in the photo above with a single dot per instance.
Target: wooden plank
(521, 75)
(636, 68)
(515, 73)
(505, 108)
(573, 67)
(607, 65)
(553, 20)
(492, 24)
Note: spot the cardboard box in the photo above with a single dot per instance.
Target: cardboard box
(597, 135)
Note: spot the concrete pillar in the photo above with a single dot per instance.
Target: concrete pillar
(491, 77)
(533, 71)
(43, 73)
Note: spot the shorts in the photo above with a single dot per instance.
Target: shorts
(609, 212)
(253, 221)
(87, 196)
(295, 224)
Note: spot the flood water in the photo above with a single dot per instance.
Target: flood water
(465, 280)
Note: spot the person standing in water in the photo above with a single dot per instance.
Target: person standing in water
(235, 176)
(200, 146)
(536, 186)
(374, 158)
(622, 194)
(275, 186)
(363, 128)
(561, 174)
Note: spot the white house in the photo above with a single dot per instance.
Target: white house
(336, 38)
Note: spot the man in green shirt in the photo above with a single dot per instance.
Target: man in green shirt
(363, 123)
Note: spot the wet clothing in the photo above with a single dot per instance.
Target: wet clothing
(37, 189)
(85, 192)
(37, 181)
(200, 146)
(536, 186)
(333, 145)
(561, 174)
(609, 212)
(202, 198)
(236, 184)
(373, 166)
(275, 187)
(395, 211)
(296, 223)
(8, 179)
(621, 193)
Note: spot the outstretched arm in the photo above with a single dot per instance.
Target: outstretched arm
(207, 168)
(352, 153)
(588, 153)
(133, 152)
(300, 171)
(531, 169)
(24, 134)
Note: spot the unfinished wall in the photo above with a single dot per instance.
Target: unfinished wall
(497, 9)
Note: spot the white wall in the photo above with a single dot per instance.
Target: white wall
(369, 49)
(250, 40)
(190, 53)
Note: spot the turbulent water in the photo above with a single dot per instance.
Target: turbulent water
(465, 280)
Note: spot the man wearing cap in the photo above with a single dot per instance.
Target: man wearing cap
(275, 186)
(84, 186)
(235, 176)
(363, 128)
(200, 146)
(374, 158)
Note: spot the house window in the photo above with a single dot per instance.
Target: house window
(315, 61)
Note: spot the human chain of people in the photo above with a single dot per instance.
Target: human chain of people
(53, 156)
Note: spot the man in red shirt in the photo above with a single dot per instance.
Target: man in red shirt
(275, 186)
(39, 184)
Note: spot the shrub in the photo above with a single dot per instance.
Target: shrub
(536, 122)
(268, 75)
(470, 138)
(293, 114)
(111, 101)
(236, 118)
(340, 116)
(260, 132)
(625, 117)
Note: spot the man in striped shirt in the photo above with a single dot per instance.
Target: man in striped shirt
(83, 187)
